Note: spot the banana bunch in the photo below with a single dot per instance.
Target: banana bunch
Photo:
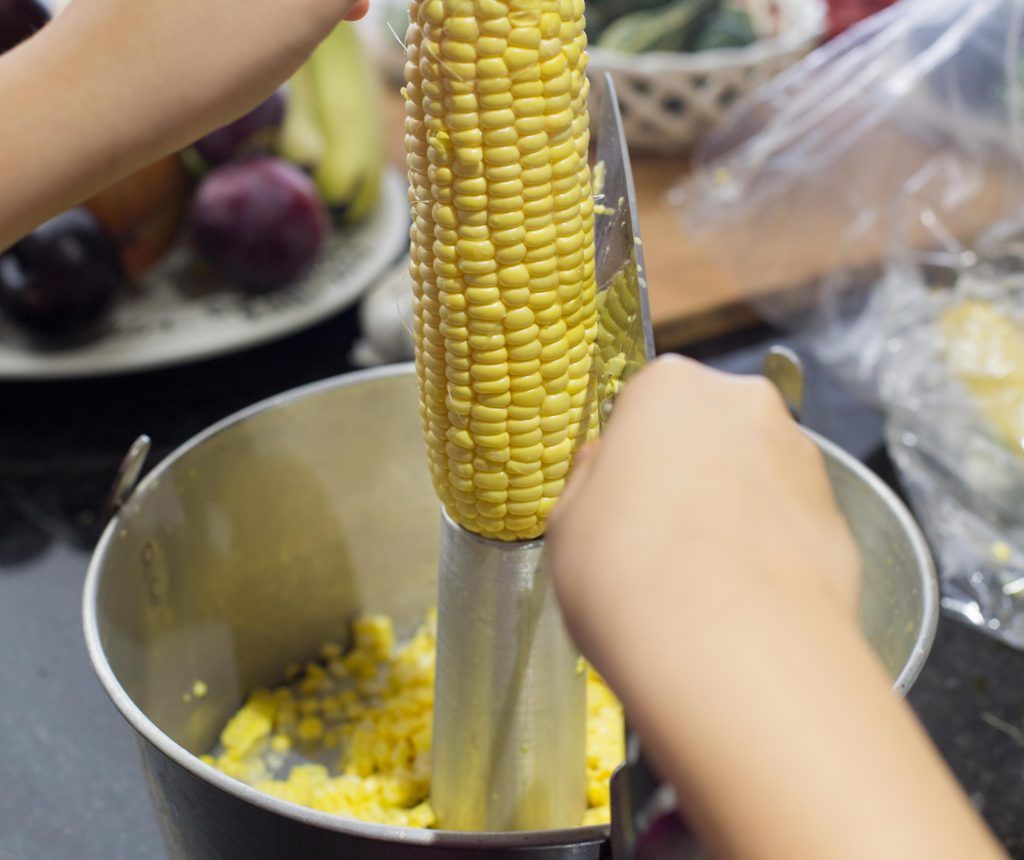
(332, 127)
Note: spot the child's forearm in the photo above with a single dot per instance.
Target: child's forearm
(75, 122)
(111, 85)
(720, 603)
(780, 734)
(48, 145)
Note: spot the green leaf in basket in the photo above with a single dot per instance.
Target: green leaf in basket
(728, 27)
(656, 29)
(607, 11)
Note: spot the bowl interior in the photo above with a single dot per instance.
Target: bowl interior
(261, 539)
(259, 543)
(899, 597)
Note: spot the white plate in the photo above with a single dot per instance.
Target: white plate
(163, 326)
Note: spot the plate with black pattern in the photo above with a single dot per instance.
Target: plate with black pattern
(182, 314)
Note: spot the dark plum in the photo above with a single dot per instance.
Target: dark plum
(254, 132)
(260, 223)
(63, 279)
(19, 19)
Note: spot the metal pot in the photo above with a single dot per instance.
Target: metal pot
(259, 539)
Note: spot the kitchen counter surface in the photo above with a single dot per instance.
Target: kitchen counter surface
(73, 787)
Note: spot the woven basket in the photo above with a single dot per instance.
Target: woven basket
(670, 100)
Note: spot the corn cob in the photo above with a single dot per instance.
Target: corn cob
(502, 255)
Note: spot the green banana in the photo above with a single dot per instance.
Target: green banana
(302, 141)
(332, 127)
(602, 13)
(349, 173)
(611, 10)
(365, 200)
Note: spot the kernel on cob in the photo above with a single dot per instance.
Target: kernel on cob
(502, 257)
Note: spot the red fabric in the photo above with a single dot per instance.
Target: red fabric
(843, 14)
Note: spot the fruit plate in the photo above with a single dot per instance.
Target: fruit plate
(177, 318)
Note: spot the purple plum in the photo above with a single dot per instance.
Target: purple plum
(63, 279)
(254, 132)
(260, 223)
(19, 19)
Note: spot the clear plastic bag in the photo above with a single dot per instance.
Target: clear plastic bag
(872, 199)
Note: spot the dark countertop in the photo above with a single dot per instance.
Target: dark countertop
(72, 784)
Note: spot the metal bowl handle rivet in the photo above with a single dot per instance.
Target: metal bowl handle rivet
(127, 477)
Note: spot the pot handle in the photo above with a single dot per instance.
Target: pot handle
(783, 368)
(127, 477)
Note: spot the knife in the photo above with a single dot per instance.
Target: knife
(642, 808)
(625, 337)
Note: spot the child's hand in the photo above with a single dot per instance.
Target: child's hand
(702, 495)
(704, 567)
(204, 61)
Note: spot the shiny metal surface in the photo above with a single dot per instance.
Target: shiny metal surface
(900, 592)
(625, 343)
(127, 477)
(510, 700)
(625, 340)
(509, 746)
(784, 369)
(262, 537)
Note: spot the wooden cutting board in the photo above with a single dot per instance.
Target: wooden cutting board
(692, 298)
(845, 218)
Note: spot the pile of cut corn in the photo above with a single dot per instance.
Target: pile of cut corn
(351, 734)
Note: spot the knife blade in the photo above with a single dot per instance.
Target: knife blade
(625, 343)
(625, 337)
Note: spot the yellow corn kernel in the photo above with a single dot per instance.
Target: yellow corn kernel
(497, 136)
(310, 729)
(379, 741)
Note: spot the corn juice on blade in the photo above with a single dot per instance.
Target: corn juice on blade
(625, 338)
(502, 253)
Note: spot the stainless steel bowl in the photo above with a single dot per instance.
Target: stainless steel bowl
(260, 538)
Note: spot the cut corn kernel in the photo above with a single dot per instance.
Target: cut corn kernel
(502, 254)
(382, 721)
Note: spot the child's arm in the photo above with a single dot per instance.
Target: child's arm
(111, 85)
(705, 569)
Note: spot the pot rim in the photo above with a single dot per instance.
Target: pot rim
(412, 835)
(149, 731)
(922, 559)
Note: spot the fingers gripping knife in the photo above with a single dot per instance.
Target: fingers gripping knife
(525, 330)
